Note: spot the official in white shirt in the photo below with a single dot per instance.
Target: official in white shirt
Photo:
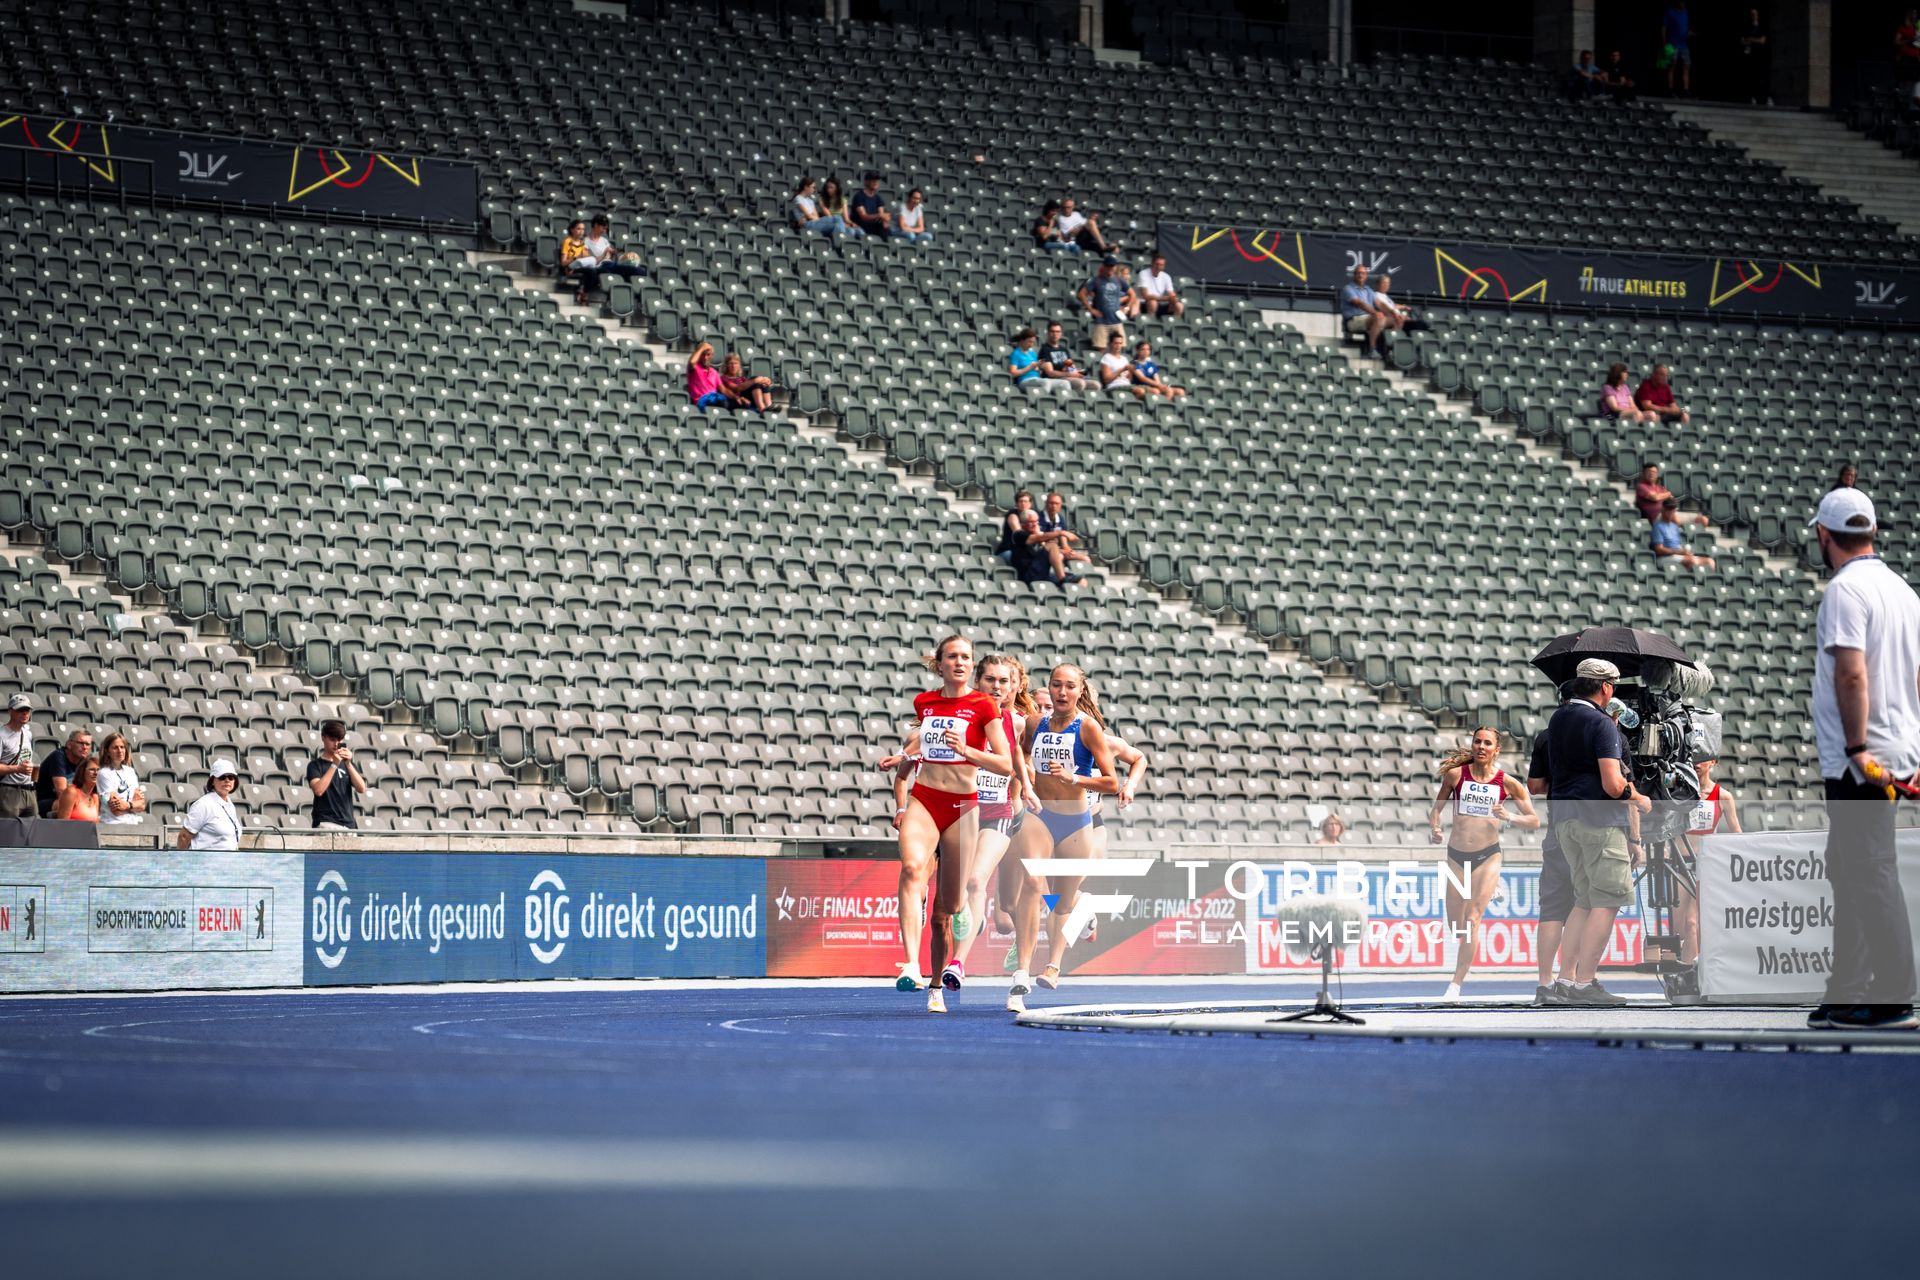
(1866, 722)
(213, 823)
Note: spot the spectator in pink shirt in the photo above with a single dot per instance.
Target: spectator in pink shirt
(1616, 401)
(1650, 496)
(703, 380)
(1655, 397)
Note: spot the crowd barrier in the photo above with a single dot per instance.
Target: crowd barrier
(141, 920)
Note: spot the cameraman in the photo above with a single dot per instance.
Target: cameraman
(1866, 721)
(1596, 817)
(1556, 891)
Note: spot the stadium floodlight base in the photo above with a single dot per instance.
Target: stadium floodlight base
(1401, 1021)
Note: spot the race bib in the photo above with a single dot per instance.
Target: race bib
(1703, 817)
(1051, 747)
(993, 787)
(933, 738)
(1477, 799)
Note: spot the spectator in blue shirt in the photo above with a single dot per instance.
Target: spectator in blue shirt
(1146, 373)
(1589, 81)
(1361, 312)
(1668, 546)
(1023, 362)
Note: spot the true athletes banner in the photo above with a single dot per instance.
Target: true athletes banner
(1766, 914)
(1286, 261)
(212, 169)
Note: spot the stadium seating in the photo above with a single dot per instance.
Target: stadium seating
(448, 504)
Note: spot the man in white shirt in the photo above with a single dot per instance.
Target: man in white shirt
(1866, 722)
(1082, 228)
(1157, 295)
(16, 760)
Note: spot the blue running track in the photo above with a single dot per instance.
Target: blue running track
(848, 1133)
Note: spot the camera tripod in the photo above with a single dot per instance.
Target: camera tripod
(1667, 874)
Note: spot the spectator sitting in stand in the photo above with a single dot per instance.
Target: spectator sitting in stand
(1058, 526)
(833, 203)
(1588, 80)
(603, 258)
(1023, 362)
(1014, 524)
(1156, 293)
(1039, 556)
(1361, 313)
(1619, 83)
(57, 770)
(870, 212)
(1105, 298)
(79, 801)
(1616, 399)
(576, 260)
(1399, 317)
(1130, 308)
(1669, 548)
(1848, 477)
(1116, 371)
(1650, 496)
(1047, 233)
(744, 390)
(1057, 364)
(1332, 827)
(1146, 373)
(703, 380)
(911, 226)
(1655, 397)
(804, 210)
(1082, 228)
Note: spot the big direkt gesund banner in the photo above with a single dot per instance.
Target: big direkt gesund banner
(1766, 914)
(1284, 260)
(96, 920)
(451, 917)
(254, 171)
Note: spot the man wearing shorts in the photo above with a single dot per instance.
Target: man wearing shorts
(1593, 816)
(1556, 889)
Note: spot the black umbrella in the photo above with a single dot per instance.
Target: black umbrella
(1624, 647)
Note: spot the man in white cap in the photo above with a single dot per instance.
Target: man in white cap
(1866, 723)
(1596, 817)
(17, 769)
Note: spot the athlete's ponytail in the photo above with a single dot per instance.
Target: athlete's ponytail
(1461, 756)
(931, 661)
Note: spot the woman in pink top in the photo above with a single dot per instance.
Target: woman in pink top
(1616, 398)
(703, 380)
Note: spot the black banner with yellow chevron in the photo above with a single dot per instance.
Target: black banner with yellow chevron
(209, 169)
(1293, 262)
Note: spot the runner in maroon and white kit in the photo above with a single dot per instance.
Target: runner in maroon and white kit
(1477, 789)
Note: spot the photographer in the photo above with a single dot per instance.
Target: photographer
(1866, 722)
(1556, 892)
(335, 780)
(1596, 820)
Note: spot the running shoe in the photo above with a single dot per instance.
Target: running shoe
(1049, 983)
(1016, 1003)
(962, 925)
(1821, 1019)
(936, 1000)
(909, 980)
(1010, 961)
(1452, 994)
(1022, 984)
(954, 976)
(1872, 1017)
(1551, 996)
(1593, 995)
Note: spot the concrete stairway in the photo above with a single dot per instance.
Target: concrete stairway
(1821, 150)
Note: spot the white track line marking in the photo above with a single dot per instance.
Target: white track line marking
(165, 1164)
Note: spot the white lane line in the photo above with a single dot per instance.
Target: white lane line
(147, 1164)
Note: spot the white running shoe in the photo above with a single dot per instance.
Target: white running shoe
(1022, 983)
(909, 980)
(936, 1000)
(1452, 993)
(954, 976)
(1016, 1003)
